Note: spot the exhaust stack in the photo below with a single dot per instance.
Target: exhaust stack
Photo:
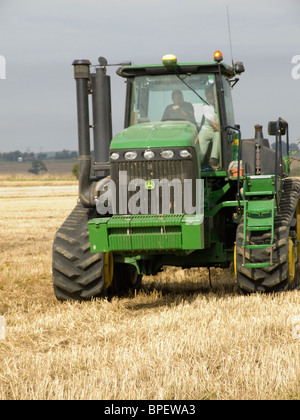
(102, 121)
(82, 76)
(98, 84)
(259, 137)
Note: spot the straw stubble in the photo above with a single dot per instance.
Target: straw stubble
(175, 339)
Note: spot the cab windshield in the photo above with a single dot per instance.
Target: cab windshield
(193, 98)
(161, 98)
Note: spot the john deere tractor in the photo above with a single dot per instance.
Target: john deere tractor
(178, 186)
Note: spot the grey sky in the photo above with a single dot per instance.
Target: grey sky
(40, 38)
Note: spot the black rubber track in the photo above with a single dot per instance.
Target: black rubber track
(77, 273)
(274, 278)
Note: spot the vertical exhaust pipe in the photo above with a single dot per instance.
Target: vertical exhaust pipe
(102, 120)
(82, 76)
(259, 137)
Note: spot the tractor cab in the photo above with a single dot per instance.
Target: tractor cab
(198, 93)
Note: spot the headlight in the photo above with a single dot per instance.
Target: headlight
(184, 153)
(114, 156)
(149, 154)
(130, 155)
(167, 154)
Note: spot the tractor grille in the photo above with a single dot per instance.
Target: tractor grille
(156, 170)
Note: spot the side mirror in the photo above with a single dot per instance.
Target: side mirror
(239, 67)
(272, 130)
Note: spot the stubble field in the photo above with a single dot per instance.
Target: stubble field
(176, 339)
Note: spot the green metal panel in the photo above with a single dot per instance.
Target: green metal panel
(98, 235)
(147, 233)
(192, 232)
(156, 134)
(259, 185)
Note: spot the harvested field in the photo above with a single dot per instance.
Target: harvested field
(176, 339)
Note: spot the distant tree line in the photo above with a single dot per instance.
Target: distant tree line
(30, 156)
(293, 147)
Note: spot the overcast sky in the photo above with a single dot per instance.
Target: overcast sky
(39, 40)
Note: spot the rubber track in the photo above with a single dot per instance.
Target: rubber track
(288, 201)
(275, 277)
(77, 273)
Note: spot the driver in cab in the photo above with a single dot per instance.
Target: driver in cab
(179, 110)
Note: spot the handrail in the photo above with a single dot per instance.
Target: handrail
(239, 159)
(281, 125)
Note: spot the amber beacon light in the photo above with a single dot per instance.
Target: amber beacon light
(218, 56)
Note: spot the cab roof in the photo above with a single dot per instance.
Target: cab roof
(182, 68)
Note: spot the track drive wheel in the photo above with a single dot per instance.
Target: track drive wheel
(78, 274)
(283, 274)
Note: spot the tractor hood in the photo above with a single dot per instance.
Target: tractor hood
(158, 134)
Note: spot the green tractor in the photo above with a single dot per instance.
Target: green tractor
(177, 186)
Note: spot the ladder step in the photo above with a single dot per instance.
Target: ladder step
(258, 246)
(257, 265)
(258, 228)
(259, 193)
(267, 213)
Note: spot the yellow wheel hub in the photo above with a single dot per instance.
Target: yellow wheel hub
(298, 228)
(294, 250)
(292, 260)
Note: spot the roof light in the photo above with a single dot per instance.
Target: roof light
(218, 56)
(169, 61)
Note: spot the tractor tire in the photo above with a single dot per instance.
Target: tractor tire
(78, 274)
(283, 274)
